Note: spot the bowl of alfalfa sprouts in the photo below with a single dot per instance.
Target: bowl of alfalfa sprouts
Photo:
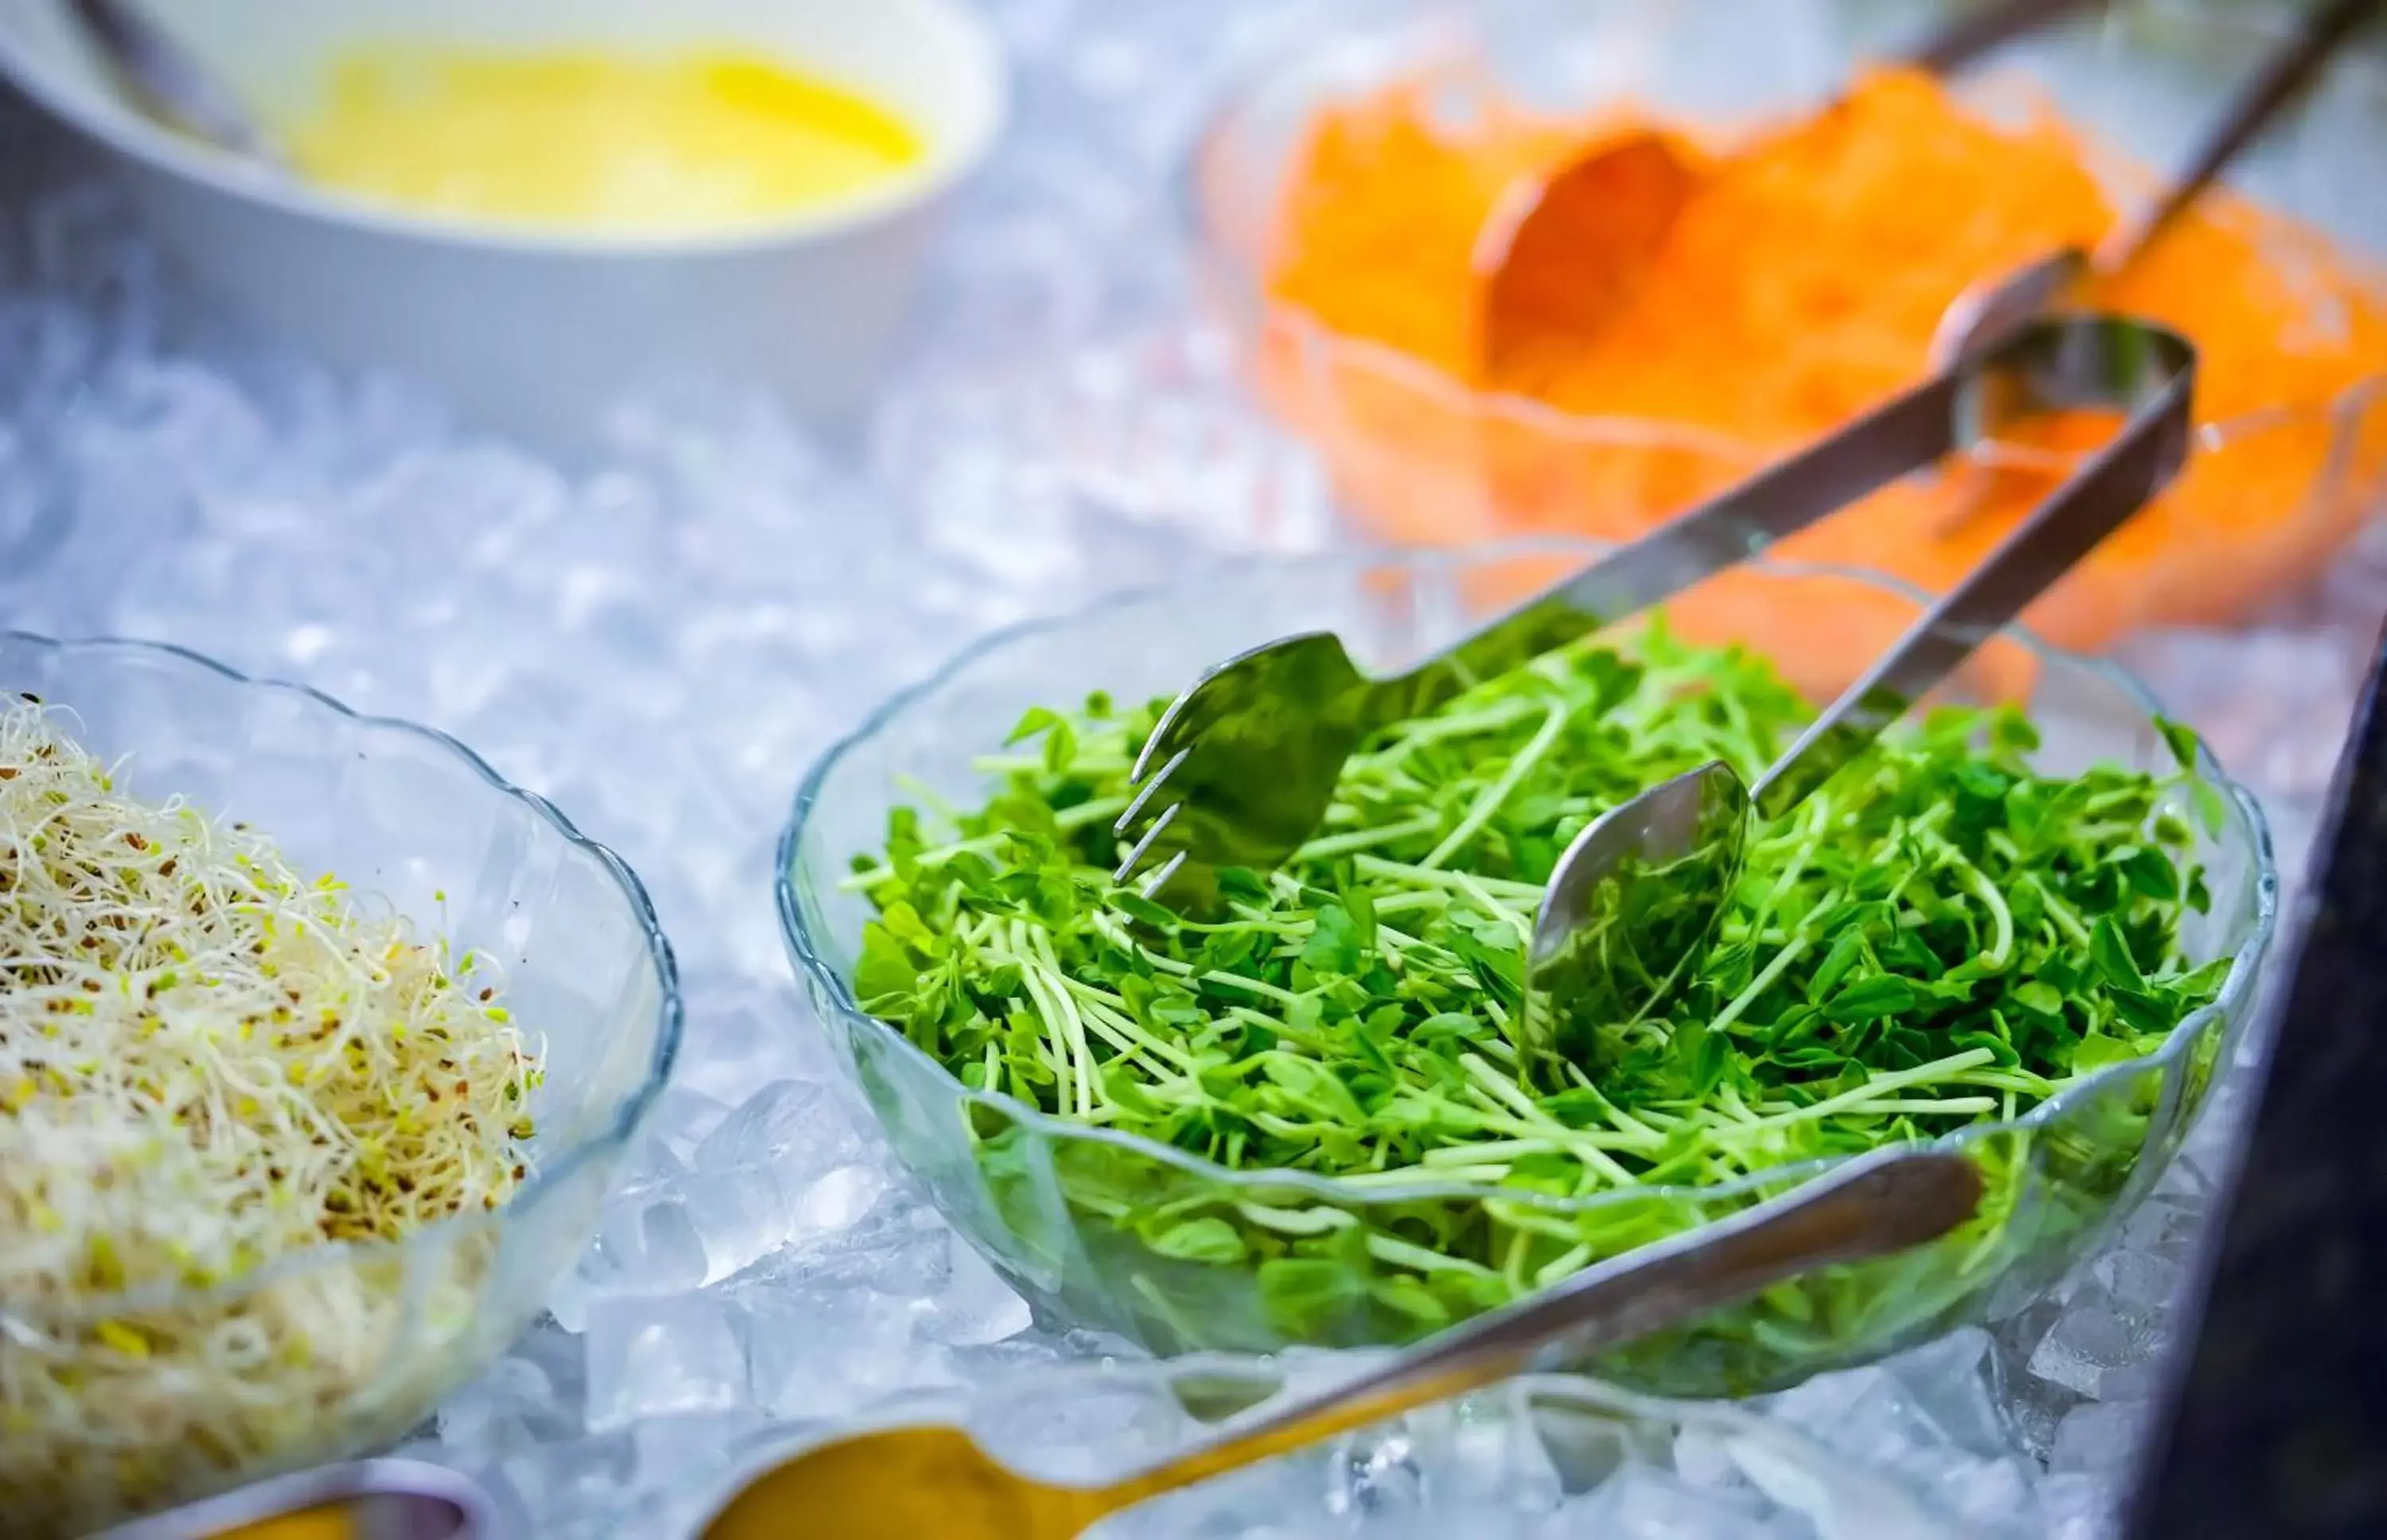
(318, 1042)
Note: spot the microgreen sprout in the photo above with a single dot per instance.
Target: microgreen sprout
(1940, 937)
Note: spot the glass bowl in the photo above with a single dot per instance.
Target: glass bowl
(340, 1348)
(1419, 456)
(1029, 1190)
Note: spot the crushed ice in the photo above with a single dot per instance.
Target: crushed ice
(716, 587)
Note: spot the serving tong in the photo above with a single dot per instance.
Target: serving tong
(1240, 769)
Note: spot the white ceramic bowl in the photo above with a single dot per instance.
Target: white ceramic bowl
(531, 331)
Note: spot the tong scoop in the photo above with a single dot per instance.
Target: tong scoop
(1636, 898)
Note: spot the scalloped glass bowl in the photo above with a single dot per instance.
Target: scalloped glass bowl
(347, 1346)
(1029, 1190)
(1419, 456)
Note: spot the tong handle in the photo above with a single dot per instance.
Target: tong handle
(2281, 74)
(1875, 1206)
(2072, 363)
(1963, 402)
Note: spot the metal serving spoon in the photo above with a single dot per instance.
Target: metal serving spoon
(1980, 317)
(161, 78)
(1636, 896)
(905, 1484)
(1563, 252)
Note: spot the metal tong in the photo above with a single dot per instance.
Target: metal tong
(1241, 768)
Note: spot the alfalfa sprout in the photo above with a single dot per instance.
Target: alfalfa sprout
(210, 1062)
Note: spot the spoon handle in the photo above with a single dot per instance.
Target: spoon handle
(1868, 1207)
(2080, 362)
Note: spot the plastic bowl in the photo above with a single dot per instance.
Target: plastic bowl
(1420, 456)
(1018, 1183)
(413, 816)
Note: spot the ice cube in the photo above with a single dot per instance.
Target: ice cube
(1484, 1450)
(975, 1306)
(647, 1243)
(1868, 1414)
(496, 1413)
(1641, 1502)
(739, 1218)
(825, 1354)
(2140, 1281)
(2099, 1437)
(2090, 1342)
(1949, 1383)
(787, 1125)
(1845, 1500)
(1990, 1496)
(896, 1247)
(2075, 1506)
(559, 1481)
(1081, 1425)
(1373, 1469)
(681, 1117)
(690, 1450)
(838, 1200)
(662, 1356)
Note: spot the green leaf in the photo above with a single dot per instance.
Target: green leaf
(2040, 998)
(2181, 740)
(2112, 954)
(1209, 1240)
(1038, 719)
(2096, 1051)
(1308, 1297)
(1411, 1298)
(1060, 747)
(2212, 811)
(1871, 999)
(1136, 906)
(2151, 875)
(1334, 945)
(1837, 962)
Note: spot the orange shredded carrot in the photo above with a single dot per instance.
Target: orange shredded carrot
(1800, 283)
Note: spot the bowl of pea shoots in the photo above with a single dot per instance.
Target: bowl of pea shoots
(2025, 926)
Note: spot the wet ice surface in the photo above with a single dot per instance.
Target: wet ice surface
(659, 632)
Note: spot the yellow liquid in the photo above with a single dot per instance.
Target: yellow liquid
(698, 140)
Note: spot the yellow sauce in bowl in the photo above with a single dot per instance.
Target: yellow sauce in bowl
(695, 142)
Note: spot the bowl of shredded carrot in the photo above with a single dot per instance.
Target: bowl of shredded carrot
(1339, 193)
